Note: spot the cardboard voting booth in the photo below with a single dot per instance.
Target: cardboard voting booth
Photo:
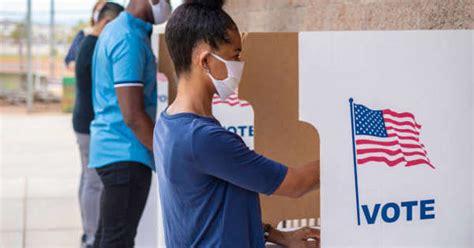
(390, 116)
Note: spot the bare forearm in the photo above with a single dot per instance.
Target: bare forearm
(296, 238)
(277, 237)
(309, 174)
(300, 180)
(142, 127)
(132, 106)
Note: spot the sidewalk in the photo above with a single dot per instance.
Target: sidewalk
(39, 171)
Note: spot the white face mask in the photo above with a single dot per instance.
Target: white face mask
(228, 86)
(161, 11)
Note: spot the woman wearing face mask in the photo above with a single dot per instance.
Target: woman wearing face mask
(70, 59)
(209, 179)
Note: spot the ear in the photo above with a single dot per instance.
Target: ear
(104, 21)
(203, 60)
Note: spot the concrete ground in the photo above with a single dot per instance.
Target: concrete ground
(39, 171)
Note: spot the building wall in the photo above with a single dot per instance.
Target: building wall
(311, 15)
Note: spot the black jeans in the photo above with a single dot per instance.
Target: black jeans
(126, 187)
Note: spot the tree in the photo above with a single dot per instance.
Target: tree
(80, 25)
(18, 35)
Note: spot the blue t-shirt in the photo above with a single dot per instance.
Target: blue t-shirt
(122, 57)
(209, 182)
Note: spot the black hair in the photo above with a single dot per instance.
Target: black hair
(193, 22)
(111, 10)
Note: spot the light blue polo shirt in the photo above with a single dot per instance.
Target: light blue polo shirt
(122, 57)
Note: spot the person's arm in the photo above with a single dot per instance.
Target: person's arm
(304, 237)
(300, 180)
(128, 63)
(73, 49)
(224, 155)
(131, 103)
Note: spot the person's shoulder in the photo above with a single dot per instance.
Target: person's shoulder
(210, 131)
(118, 42)
(78, 38)
(206, 125)
(117, 31)
(90, 39)
(87, 46)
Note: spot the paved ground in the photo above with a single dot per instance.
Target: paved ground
(39, 169)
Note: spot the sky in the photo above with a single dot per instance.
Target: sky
(68, 12)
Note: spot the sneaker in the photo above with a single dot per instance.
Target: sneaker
(83, 241)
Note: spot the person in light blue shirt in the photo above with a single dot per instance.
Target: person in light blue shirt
(209, 180)
(124, 98)
(123, 61)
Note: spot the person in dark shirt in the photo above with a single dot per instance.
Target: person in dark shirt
(90, 187)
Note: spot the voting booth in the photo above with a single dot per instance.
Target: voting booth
(394, 111)
(389, 115)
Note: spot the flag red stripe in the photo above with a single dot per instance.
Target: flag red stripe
(401, 130)
(243, 104)
(219, 101)
(403, 137)
(388, 151)
(227, 101)
(399, 115)
(419, 161)
(392, 163)
(402, 123)
(230, 97)
(381, 159)
(386, 143)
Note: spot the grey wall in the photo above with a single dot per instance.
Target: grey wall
(311, 15)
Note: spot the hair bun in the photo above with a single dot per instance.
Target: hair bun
(212, 4)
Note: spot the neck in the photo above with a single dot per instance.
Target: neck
(97, 29)
(192, 98)
(138, 11)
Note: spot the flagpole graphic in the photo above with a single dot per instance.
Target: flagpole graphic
(351, 101)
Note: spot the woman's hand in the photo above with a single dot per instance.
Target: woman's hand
(296, 239)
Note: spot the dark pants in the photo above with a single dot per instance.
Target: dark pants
(126, 186)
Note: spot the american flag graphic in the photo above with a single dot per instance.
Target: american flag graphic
(388, 137)
(233, 100)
